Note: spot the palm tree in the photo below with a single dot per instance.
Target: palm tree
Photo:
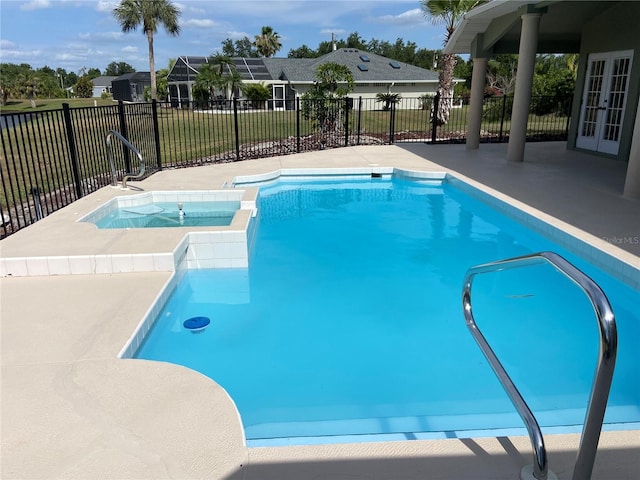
(449, 13)
(209, 79)
(149, 14)
(268, 42)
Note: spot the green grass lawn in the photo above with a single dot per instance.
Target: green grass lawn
(21, 106)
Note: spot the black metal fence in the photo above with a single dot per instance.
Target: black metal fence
(51, 158)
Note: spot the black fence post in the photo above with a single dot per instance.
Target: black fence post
(125, 133)
(568, 108)
(359, 119)
(237, 128)
(348, 102)
(298, 124)
(392, 123)
(504, 112)
(156, 132)
(73, 153)
(434, 117)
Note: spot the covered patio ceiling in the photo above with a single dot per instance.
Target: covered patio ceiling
(494, 27)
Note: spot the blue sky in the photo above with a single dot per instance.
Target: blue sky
(73, 34)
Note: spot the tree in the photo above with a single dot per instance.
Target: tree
(324, 102)
(553, 84)
(302, 52)
(501, 74)
(84, 87)
(449, 13)
(149, 14)
(268, 42)
(162, 83)
(208, 79)
(93, 73)
(354, 40)
(29, 85)
(240, 48)
(8, 80)
(115, 69)
(219, 74)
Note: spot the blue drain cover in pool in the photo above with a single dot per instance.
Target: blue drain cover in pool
(196, 323)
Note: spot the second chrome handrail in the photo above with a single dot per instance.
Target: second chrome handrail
(126, 143)
(604, 368)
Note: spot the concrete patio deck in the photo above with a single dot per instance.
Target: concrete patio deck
(71, 409)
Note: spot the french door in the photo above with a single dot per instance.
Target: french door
(604, 101)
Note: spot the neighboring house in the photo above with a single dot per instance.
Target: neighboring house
(289, 78)
(130, 86)
(605, 118)
(102, 85)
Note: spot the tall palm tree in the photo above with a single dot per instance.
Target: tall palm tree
(149, 14)
(268, 42)
(449, 13)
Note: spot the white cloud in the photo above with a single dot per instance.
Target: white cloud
(130, 49)
(234, 35)
(35, 5)
(410, 17)
(102, 36)
(200, 23)
(7, 44)
(19, 53)
(336, 31)
(106, 5)
(189, 8)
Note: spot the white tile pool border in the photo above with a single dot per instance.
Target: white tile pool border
(147, 198)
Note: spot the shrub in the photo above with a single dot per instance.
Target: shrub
(257, 93)
(426, 101)
(388, 99)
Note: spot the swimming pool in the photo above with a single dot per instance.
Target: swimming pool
(348, 320)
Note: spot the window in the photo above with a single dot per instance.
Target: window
(363, 67)
(365, 58)
(394, 64)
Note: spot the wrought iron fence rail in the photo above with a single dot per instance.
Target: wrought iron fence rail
(51, 158)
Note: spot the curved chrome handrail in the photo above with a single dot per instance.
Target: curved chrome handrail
(114, 177)
(604, 368)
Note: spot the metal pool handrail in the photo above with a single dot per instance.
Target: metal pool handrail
(604, 369)
(114, 178)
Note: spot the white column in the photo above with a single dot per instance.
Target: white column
(478, 78)
(632, 180)
(524, 82)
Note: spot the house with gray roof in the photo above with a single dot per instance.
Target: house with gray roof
(290, 78)
(101, 85)
(130, 86)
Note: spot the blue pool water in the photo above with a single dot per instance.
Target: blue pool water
(349, 319)
(167, 214)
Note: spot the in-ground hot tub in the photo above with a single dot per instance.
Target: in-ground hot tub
(170, 209)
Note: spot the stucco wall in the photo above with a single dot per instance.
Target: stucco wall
(410, 94)
(615, 29)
